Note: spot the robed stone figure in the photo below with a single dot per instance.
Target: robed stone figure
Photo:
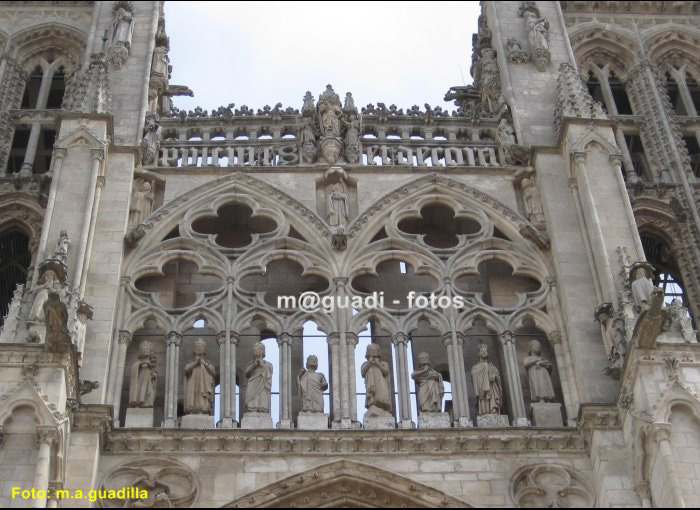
(311, 384)
(259, 376)
(199, 381)
(487, 384)
(431, 389)
(377, 383)
(642, 288)
(539, 373)
(142, 390)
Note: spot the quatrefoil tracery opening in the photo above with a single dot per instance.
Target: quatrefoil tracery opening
(234, 225)
(283, 277)
(396, 279)
(496, 284)
(438, 226)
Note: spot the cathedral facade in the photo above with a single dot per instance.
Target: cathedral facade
(329, 304)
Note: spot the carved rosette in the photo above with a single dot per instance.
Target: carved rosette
(551, 486)
(167, 482)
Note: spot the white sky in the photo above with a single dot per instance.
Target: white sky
(261, 53)
(258, 53)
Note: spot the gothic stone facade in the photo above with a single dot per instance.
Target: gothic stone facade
(558, 201)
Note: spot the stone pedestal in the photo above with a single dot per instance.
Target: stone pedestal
(139, 417)
(257, 421)
(379, 423)
(197, 421)
(312, 421)
(492, 421)
(546, 414)
(434, 421)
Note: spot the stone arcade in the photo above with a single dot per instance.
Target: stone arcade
(144, 247)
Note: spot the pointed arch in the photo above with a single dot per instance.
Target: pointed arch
(296, 322)
(245, 320)
(541, 320)
(379, 316)
(437, 320)
(492, 320)
(214, 319)
(50, 39)
(137, 319)
(347, 483)
(27, 395)
(604, 43)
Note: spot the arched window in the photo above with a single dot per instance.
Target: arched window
(595, 89)
(14, 262)
(666, 274)
(619, 95)
(675, 96)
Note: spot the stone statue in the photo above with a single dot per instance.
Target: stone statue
(487, 384)
(199, 381)
(330, 113)
(142, 390)
(533, 204)
(150, 144)
(49, 283)
(352, 140)
(161, 62)
(537, 30)
(539, 373)
(122, 28)
(430, 387)
(377, 383)
(312, 384)
(614, 339)
(56, 318)
(259, 376)
(338, 212)
(307, 136)
(141, 202)
(505, 134)
(642, 287)
(680, 322)
(62, 247)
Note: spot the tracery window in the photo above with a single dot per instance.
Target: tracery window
(14, 264)
(666, 275)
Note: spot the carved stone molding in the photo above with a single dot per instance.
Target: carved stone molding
(551, 486)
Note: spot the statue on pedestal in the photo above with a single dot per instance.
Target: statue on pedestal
(642, 287)
(259, 376)
(312, 384)
(199, 381)
(377, 383)
(538, 372)
(487, 384)
(430, 387)
(338, 211)
(142, 390)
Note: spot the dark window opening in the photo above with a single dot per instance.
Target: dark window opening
(42, 161)
(619, 94)
(691, 144)
(56, 90)
(17, 150)
(14, 262)
(666, 274)
(674, 96)
(639, 160)
(694, 90)
(596, 90)
(31, 90)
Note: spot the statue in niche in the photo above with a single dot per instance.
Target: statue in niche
(642, 287)
(199, 381)
(505, 134)
(141, 202)
(259, 376)
(352, 140)
(122, 28)
(142, 390)
(487, 384)
(431, 389)
(377, 383)
(539, 373)
(537, 30)
(312, 384)
(533, 204)
(338, 211)
(150, 144)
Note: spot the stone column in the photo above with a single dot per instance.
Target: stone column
(284, 341)
(53, 500)
(33, 143)
(630, 172)
(554, 338)
(224, 341)
(235, 340)
(662, 437)
(47, 439)
(515, 391)
(643, 490)
(400, 342)
(679, 76)
(58, 157)
(97, 158)
(172, 364)
(124, 340)
(352, 341)
(334, 344)
(454, 343)
(631, 222)
(120, 318)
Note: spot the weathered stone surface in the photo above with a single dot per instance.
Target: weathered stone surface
(492, 421)
(434, 421)
(197, 421)
(312, 421)
(546, 414)
(379, 423)
(256, 421)
(137, 417)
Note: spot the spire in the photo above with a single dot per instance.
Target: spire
(573, 99)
